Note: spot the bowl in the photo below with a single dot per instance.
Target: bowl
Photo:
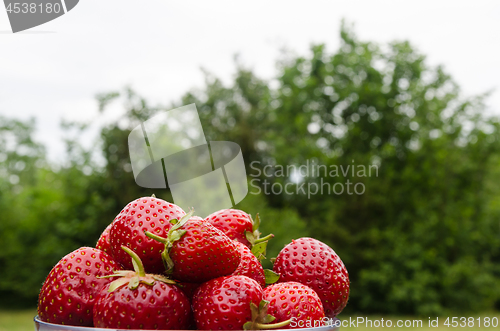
(44, 326)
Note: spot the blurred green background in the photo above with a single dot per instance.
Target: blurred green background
(423, 239)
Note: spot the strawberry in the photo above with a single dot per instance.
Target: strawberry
(232, 303)
(295, 301)
(70, 290)
(249, 265)
(144, 214)
(234, 223)
(127, 209)
(315, 264)
(103, 242)
(195, 251)
(188, 288)
(238, 225)
(138, 300)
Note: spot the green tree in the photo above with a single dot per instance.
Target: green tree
(423, 238)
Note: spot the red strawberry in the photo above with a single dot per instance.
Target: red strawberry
(315, 264)
(188, 288)
(103, 242)
(295, 301)
(70, 290)
(195, 251)
(141, 301)
(239, 226)
(234, 223)
(249, 265)
(231, 303)
(144, 214)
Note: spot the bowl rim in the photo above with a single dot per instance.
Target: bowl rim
(37, 320)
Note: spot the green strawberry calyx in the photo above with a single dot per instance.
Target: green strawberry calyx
(174, 234)
(261, 319)
(134, 278)
(255, 234)
(258, 244)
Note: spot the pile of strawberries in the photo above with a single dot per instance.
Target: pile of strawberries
(156, 267)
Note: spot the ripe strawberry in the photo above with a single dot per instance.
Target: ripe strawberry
(292, 300)
(103, 242)
(144, 214)
(234, 223)
(249, 265)
(315, 264)
(141, 301)
(195, 251)
(231, 303)
(238, 225)
(70, 290)
(188, 288)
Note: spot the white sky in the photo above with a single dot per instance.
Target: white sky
(158, 47)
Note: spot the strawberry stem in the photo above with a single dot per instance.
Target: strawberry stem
(136, 261)
(167, 261)
(269, 236)
(260, 326)
(263, 326)
(260, 319)
(173, 235)
(155, 237)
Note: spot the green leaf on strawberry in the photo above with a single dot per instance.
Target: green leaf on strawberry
(134, 278)
(271, 276)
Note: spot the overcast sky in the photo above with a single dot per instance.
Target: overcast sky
(157, 47)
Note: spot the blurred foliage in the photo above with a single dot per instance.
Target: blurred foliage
(422, 239)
